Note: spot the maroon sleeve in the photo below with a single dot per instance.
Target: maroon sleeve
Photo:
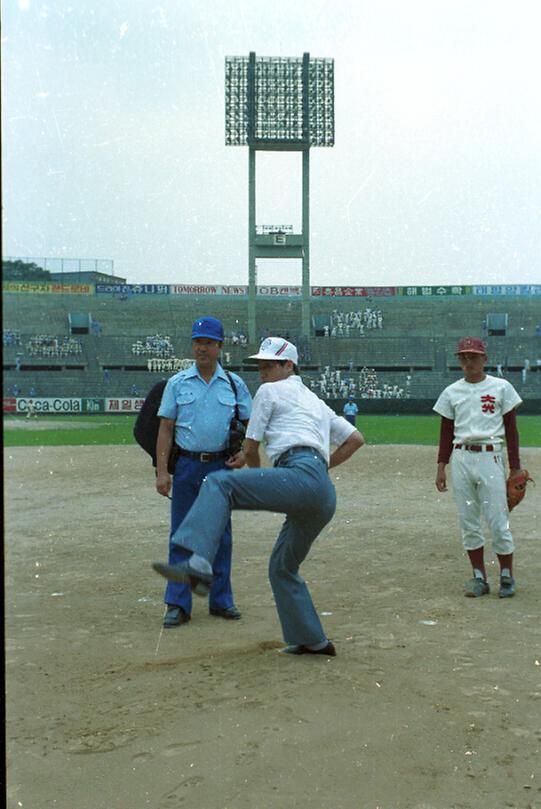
(447, 432)
(511, 439)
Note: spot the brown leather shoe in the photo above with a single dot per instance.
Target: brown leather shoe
(175, 616)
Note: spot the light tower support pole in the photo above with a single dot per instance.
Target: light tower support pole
(305, 316)
(252, 269)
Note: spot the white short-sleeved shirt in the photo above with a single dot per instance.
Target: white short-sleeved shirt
(478, 408)
(287, 414)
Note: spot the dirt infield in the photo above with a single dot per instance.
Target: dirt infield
(433, 702)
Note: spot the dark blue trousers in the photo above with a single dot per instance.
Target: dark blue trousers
(187, 480)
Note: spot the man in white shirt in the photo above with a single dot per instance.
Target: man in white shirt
(298, 429)
(477, 414)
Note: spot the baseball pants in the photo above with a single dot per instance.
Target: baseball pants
(479, 488)
(299, 487)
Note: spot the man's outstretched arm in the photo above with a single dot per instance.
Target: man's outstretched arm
(346, 450)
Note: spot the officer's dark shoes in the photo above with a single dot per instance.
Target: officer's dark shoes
(231, 613)
(175, 616)
(327, 650)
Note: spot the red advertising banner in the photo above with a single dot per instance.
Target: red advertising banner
(352, 292)
(10, 405)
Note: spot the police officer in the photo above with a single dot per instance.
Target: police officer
(195, 413)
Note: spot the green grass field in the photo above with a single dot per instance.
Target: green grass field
(118, 430)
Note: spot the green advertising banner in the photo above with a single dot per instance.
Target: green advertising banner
(433, 292)
(93, 405)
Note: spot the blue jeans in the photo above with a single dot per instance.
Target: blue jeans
(299, 487)
(187, 480)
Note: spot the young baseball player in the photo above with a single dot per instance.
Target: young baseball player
(298, 429)
(477, 414)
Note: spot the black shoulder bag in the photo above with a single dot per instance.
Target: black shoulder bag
(237, 430)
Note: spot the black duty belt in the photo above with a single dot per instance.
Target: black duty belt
(203, 457)
(476, 447)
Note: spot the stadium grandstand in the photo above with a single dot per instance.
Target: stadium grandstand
(391, 348)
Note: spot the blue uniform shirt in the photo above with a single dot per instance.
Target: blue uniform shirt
(203, 412)
(350, 409)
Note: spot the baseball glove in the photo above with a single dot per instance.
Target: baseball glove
(516, 487)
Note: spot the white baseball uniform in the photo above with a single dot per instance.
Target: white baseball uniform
(478, 475)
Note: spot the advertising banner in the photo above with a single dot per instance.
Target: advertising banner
(10, 405)
(49, 405)
(73, 289)
(128, 405)
(132, 289)
(233, 290)
(503, 289)
(48, 289)
(434, 292)
(356, 292)
(93, 405)
(277, 291)
(19, 286)
(208, 289)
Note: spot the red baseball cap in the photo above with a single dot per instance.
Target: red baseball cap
(471, 345)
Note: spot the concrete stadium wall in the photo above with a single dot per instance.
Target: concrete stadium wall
(418, 337)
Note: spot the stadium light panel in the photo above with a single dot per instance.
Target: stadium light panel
(279, 101)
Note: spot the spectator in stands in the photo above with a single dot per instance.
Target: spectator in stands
(347, 324)
(499, 369)
(11, 337)
(134, 390)
(18, 361)
(156, 345)
(32, 392)
(47, 345)
(106, 375)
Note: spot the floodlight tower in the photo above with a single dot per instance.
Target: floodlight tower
(279, 104)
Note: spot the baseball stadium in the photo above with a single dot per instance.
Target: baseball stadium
(425, 680)
(431, 700)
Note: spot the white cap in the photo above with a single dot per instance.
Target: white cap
(276, 348)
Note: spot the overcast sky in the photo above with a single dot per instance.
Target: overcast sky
(114, 148)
